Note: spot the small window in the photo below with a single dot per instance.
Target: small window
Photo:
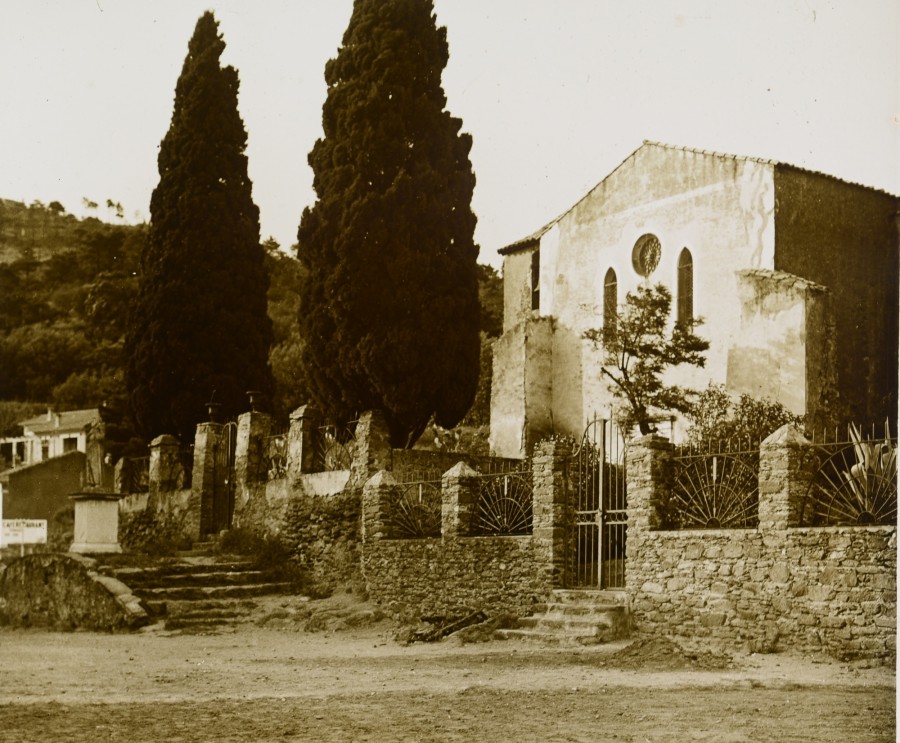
(610, 299)
(70, 443)
(685, 287)
(536, 280)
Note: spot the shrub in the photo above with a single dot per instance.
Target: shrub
(719, 416)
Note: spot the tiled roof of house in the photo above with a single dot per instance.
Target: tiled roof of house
(535, 236)
(70, 420)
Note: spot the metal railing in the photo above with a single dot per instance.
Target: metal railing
(504, 505)
(852, 482)
(274, 459)
(415, 511)
(713, 488)
(334, 449)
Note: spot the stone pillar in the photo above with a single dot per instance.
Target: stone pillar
(253, 430)
(371, 448)
(96, 527)
(302, 436)
(166, 471)
(206, 440)
(551, 508)
(783, 478)
(459, 492)
(647, 470)
(377, 499)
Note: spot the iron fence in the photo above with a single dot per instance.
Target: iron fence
(713, 488)
(135, 475)
(415, 510)
(334, 449)
(852, 482)
(274, 459)
(504, 504)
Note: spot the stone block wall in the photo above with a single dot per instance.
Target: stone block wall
(777, 587)
(459, 573)
(65, 592)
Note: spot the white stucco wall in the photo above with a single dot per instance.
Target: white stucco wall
(720, 208)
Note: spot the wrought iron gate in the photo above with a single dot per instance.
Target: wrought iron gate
(597, 478)
(223, 478)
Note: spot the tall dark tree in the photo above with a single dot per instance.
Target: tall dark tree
(389, 310)
(199, 327)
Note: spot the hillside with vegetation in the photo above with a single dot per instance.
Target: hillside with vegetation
(66, 286)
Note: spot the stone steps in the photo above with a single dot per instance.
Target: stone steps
(200, 593)
(181, 578)
(576, 617)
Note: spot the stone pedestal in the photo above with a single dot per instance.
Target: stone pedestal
(96, 523)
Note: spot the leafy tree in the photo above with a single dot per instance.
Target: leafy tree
(198, 326)
(389, 310)
(638, 349)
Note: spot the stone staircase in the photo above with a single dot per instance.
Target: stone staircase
(576, 617)
(199, 592)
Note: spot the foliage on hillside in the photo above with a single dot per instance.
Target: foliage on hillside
(390, 309)
(61, 318)
(199, 328)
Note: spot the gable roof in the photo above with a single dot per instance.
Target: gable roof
(535, 237)
(70, 420)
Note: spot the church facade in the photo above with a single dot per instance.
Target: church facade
(794, 273)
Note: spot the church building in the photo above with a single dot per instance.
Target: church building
(794, 273)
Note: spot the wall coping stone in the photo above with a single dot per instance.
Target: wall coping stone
(787, 435)
(460, 470)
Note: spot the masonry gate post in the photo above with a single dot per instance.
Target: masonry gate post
(646, 474)
(253, 429)
(371, 449)
(377, 495)
(305, 422)
(166, 471)
(459, 492)
(551, 507)
(207, 438)
(783, 478)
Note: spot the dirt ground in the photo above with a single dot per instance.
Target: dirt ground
(273, 680)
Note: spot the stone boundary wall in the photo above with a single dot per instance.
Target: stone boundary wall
(453, 577)
(778, 587)
(65, 592)
(460, 573)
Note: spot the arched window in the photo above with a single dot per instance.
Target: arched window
(685, 287)
(610, 299)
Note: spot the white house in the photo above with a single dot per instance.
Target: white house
(49, 435)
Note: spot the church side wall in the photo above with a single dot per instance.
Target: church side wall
(845, 237)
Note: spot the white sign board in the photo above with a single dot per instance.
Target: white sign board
(23, 531)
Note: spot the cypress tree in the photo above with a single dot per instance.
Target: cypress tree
(199, 326)
(389, 310)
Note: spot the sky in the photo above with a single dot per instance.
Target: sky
(555, 94)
